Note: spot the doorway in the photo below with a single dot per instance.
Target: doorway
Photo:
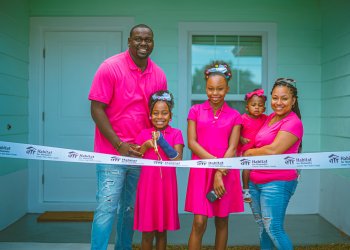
(64, 56)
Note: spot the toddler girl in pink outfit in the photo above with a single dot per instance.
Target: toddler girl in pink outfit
(252, 121)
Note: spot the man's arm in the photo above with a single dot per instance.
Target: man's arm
(102, 122)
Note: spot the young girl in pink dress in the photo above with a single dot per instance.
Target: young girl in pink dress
(213, 132)
(252, 121)
(156, 206)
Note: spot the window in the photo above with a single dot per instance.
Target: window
(250, 48)
(242, 53)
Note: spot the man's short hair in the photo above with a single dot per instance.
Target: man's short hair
(140, 26)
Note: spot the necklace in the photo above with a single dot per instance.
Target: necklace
(218, 113)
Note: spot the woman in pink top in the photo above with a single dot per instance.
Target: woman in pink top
(252, 121)
(156, 207)
(213, 132)
(271, 190)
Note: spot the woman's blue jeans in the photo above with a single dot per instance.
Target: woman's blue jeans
(269, 204)
(116, 185)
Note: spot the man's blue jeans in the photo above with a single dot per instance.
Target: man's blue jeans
(269, 204)
(116, 185)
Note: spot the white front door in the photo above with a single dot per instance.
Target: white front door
(71, 60)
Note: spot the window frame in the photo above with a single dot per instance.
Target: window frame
(267, 31)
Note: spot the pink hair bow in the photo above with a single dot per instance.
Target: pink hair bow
(258, 92)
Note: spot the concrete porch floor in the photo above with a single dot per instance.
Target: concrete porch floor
(302, 229)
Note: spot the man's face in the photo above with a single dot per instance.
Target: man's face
(141, 43)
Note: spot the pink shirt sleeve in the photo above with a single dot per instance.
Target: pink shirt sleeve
(102, 85)
(192, 115)
(178, 139)
(294, 126)
(238, 120)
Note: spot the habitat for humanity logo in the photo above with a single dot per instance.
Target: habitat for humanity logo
(201, 163)
(73, 154)
(245, 162)
(345, 160)
(158, 163)
(289, 160)
(171, 163)
(79, 156)
(40, 153)
(254, 163)
(5, 149)
(166, 163)
(304, 161)
(259, 163)
(215, 164)
(333, 158)
(30, 150)
(115, 159)
(129, 161)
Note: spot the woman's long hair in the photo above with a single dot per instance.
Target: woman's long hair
(290, 84)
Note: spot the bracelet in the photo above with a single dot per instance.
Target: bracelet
(119, 145)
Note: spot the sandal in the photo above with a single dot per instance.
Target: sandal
(246, 196)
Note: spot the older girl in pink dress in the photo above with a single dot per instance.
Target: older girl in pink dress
(156, 207)
(213, 132)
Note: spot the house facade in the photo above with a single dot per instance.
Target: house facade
(49, 51)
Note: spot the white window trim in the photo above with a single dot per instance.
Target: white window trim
(186, 29)
(38, 27)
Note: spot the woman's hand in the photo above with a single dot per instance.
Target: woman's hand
(249, 152)
(219, 187)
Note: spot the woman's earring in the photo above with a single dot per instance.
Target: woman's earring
(150, 117)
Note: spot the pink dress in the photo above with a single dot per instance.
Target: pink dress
(266, 135)
(156, 206)
(213, 135)
(250, 127)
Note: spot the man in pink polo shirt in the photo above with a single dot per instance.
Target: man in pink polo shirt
(119, 106)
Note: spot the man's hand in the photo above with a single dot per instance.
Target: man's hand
(130, 150)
